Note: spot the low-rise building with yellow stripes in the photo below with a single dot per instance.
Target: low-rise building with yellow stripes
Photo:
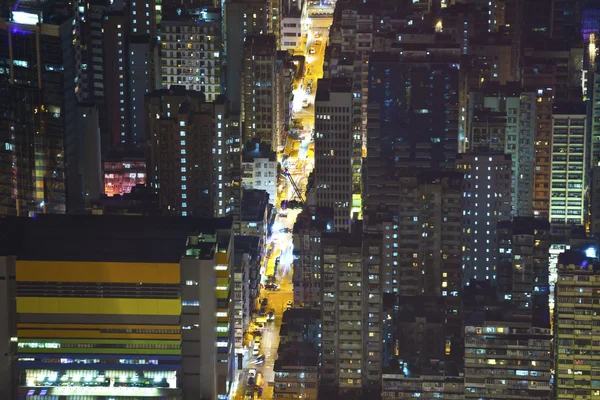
(116, 307)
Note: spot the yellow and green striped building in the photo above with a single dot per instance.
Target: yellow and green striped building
(118, 307)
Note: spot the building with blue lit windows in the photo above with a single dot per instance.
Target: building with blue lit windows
(190, 152)
(37, 110)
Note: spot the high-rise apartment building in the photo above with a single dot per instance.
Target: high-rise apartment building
(188, 156)
(129, 74)
(420, 215)
(97, 9)
(496, 51)
(258, 90)
(297, 365)
(569, 164)
(575, 320)
(472, 75)
(593, 91)
(307, 252)
(508, 355)
(156, 298)
(115, 78)
(141, 80)
(334, 149)
(414, 331)
(191, 50)
(285, 75)
(522, 268)
(241, 18)
(541, 77)
(351, 312)
(488, 131)
(486, 201)
(431, 383)
(293, 25)
(518, 107)
(416, 127)
(37, 111)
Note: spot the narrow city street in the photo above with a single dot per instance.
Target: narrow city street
(299, 155)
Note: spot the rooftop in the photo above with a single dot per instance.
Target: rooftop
(570, 108)
(525, 225)
(108, 238)
(334, 85)
(579, 258)
(256, 149)
(254, 203)
(296, 355)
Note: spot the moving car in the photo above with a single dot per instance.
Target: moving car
(311, 50)
(251, 377)
(305, 103)
(260, 380)
(260, 359)
(272, 286)
(271, 316)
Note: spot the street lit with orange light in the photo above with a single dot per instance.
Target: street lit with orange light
(297, 156)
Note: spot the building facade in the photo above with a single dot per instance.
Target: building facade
(576, 288)
(241, 18)
(37, 113)
(121, 322)
(518, 108)
(522, 269)
(351, 312)
(426, 386)
(307, 252)
(259, 169)
(258, 89)
(334, 149)
(569, 178)
(508, 357)
(120, 176)
(191, 50)
(188, 159)
(486, 201)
